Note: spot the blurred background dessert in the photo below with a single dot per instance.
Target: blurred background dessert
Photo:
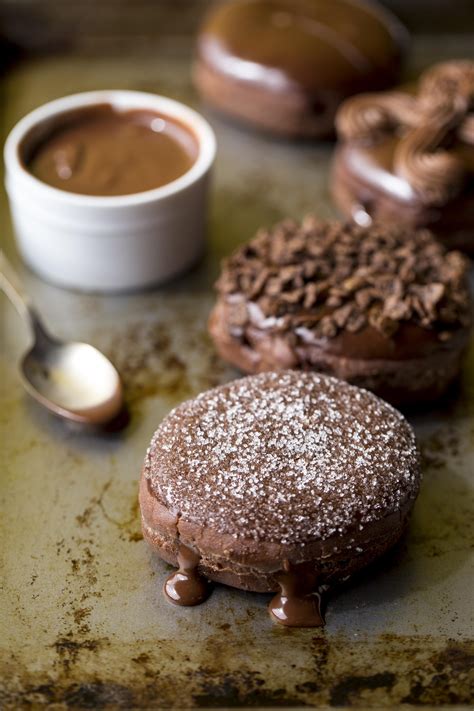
(409, 158)
(285, 66)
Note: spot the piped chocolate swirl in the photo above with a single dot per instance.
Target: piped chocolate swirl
(429, 126)
(409, 158)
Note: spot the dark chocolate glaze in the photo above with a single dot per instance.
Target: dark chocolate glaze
(366, 188)
(409, 341)
(374, 165)
(367, 358)
(312, 45)
(186, 586)
(298, 604)
(104, 152)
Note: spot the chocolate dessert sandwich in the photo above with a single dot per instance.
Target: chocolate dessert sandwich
(285, 65)
(386, 308)
(409, 158)
(285, 482)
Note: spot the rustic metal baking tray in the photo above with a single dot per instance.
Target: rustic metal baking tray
(83, 622)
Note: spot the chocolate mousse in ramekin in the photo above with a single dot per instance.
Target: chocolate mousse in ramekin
(108, 190)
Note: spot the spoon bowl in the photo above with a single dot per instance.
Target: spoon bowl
(71, 379)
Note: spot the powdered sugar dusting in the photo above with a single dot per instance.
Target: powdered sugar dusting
(285, 457)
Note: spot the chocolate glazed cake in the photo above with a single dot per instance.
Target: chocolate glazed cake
(280, 482)
(385, 308)
(286, 65)
(409, 159)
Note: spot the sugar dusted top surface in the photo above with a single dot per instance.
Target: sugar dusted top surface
(283, 457)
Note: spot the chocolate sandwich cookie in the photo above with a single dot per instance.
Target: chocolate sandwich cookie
(286, 65)
(283, 482)
(409, 158)
(383, 307)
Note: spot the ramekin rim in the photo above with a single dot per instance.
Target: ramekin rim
(175, 109)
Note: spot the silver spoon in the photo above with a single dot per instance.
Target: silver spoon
(73, 380)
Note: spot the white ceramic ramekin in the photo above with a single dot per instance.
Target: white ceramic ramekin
(109, 243)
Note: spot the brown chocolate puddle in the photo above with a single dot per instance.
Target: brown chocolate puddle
(298, 604)
(186, 586)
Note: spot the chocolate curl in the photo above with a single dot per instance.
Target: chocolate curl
(446, 96)
(447, 80)
(466, 130)
(367, 117)
(435, 174)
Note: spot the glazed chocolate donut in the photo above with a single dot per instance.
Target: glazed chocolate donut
(280, 482)
(385, 308)
(409, 158)
(286, 65)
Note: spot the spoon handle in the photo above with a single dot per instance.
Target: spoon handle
(12, 287)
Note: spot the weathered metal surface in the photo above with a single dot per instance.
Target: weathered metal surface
(83, 621)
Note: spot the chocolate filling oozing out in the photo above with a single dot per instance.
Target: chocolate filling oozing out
(410, 158)
(278, 482)
(384, 307)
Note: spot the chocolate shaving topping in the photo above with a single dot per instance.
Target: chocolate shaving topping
(329, 277)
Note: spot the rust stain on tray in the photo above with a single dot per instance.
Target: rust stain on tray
(128, 526)
(389, 670)
(173, 360)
